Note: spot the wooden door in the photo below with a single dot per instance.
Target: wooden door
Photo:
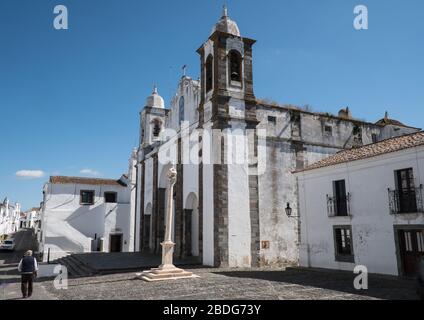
(115, 243)
(146, 232)
(187, 227)
(340, 197)
(411, 249)
(406, 189)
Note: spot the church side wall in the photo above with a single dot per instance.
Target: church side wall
(208, 205)
(148, 183)
(239, 227)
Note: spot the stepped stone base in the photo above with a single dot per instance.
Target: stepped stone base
(167, 270)
(168, 273)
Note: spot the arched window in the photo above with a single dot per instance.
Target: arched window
(209, 73)
(181, 109)
(235, 60)
(157, 128)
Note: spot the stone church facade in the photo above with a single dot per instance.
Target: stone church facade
(232, 214)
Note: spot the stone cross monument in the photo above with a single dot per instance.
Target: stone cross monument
(167, 270)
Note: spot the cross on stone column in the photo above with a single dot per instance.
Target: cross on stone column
(167, 270)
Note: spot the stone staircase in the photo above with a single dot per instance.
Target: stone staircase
(76, 268)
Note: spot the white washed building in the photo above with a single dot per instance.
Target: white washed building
(9, 218)
(364, 206)
(81, 215)
(230, 213)
(29, 218)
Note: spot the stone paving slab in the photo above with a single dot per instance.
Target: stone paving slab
(223, 284)
(12, 291)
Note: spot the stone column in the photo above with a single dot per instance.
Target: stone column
(167, 270)
(168, 245)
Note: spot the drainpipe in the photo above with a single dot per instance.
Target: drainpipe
(136, 205)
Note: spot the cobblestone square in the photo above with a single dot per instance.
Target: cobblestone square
(224, 284)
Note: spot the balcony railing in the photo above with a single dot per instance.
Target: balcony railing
(406, 201)
(338, 206)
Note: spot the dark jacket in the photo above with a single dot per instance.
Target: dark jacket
(28, 265)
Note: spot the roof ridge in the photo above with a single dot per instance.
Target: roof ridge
(84, 180)
(374, 149)
(381, 141)
(76, 177)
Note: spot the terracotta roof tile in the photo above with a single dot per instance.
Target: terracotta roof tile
(81, 180)
(371, 150)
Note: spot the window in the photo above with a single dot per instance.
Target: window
(420, 240)
(272, 120)
(374, 138)
(209, 73)
(357, 134)
(343, 244)
(157, 128)
(181, 109)
(340, 198)
(111, 197)
(356, 130)
(328, 130)
(295, 124)
(265, 244)
(406, 192)
(87, 197)
(235, 66)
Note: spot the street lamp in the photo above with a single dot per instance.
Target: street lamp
(288, 210)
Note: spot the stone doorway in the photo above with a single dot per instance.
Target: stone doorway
(115, 243)
(191, 227)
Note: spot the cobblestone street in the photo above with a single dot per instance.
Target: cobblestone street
(10, 287)
(223, 284)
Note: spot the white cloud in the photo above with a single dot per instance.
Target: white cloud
(90, 172)
(30, 174)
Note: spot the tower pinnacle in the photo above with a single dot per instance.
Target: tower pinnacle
(226, 25)
(224, 11)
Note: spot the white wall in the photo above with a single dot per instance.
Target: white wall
(208, 206)
(69, 227)
(372, 224)
(9, 218)
(239, 226)
(117, 221)
(134, 222)
(148, 183)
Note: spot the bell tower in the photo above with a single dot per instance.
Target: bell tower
(226, 71)
(228, 191)
(152, 120)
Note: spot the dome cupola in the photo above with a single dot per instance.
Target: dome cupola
(155, 100)
(225, 24)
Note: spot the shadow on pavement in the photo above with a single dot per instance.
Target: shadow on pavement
(380, 287)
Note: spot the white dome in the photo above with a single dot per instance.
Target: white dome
(225, 24)
(155, 100)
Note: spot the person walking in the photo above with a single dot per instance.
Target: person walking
(28, 268)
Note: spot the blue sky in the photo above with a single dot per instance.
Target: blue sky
(70, 100)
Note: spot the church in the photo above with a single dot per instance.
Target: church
(236, 197)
